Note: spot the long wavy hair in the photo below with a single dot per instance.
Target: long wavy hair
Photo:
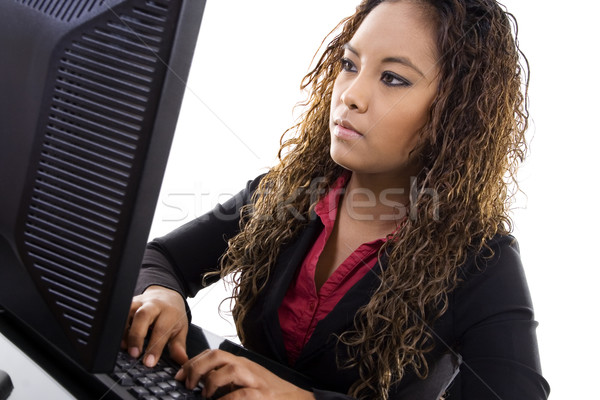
(470, 149)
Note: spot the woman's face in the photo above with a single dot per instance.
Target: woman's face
(382, 96)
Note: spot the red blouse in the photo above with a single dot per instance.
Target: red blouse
(303, 307)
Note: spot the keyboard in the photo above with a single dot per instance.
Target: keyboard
(156, 383)
(131, 379)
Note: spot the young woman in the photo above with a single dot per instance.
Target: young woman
(376, 256)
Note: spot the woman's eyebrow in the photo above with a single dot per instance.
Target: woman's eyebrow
(400, 60)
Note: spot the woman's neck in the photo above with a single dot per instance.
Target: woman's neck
(377, 199)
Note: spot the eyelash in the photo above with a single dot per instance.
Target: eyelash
(346, 64)
(349, 66)
(403, 82)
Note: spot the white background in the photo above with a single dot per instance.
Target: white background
(244, 83)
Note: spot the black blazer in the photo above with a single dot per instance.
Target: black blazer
(488, 329)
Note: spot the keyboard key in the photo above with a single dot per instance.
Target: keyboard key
(153, 377)
(124, 364)
(135, 373)
(144, 370)
(139, 392)
(123, 379)
(145, 382)
(164, 376)
(157, 391)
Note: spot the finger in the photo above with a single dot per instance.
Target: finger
(186, 367)
(141, 321)
(164, 332)
(228, 378)
(132, 309)
(157, 342)
(199, 366)
(177, 348)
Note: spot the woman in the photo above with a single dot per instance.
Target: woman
(379, 248)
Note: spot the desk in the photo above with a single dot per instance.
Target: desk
(30, 381)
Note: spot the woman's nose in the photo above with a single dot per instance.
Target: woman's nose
(357, 95)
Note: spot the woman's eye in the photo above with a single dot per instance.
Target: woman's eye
(347, 65)
(392, 79)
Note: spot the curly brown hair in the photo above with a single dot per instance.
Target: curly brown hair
(470, 148)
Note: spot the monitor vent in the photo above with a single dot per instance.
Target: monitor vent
(90, 156)
(62, 9)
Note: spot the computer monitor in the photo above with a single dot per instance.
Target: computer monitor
(90, 95)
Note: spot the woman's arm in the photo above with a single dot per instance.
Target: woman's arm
(180, 259)
(173, 269)
(494, 321)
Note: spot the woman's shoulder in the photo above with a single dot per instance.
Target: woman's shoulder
(493, 281)
(501, 252)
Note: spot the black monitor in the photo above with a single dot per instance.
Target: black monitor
(90, 92)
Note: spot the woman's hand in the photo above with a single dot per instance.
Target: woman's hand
(163, 310)
(244, 379)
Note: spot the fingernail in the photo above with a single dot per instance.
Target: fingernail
(150, 360)
(179, 374)
(134, 352)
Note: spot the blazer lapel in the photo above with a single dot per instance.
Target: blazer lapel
(284, 271)
(341, 318)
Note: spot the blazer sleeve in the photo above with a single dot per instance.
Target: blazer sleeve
(180, 259)
(495, 327)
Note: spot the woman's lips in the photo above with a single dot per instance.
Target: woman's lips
(345, 130)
